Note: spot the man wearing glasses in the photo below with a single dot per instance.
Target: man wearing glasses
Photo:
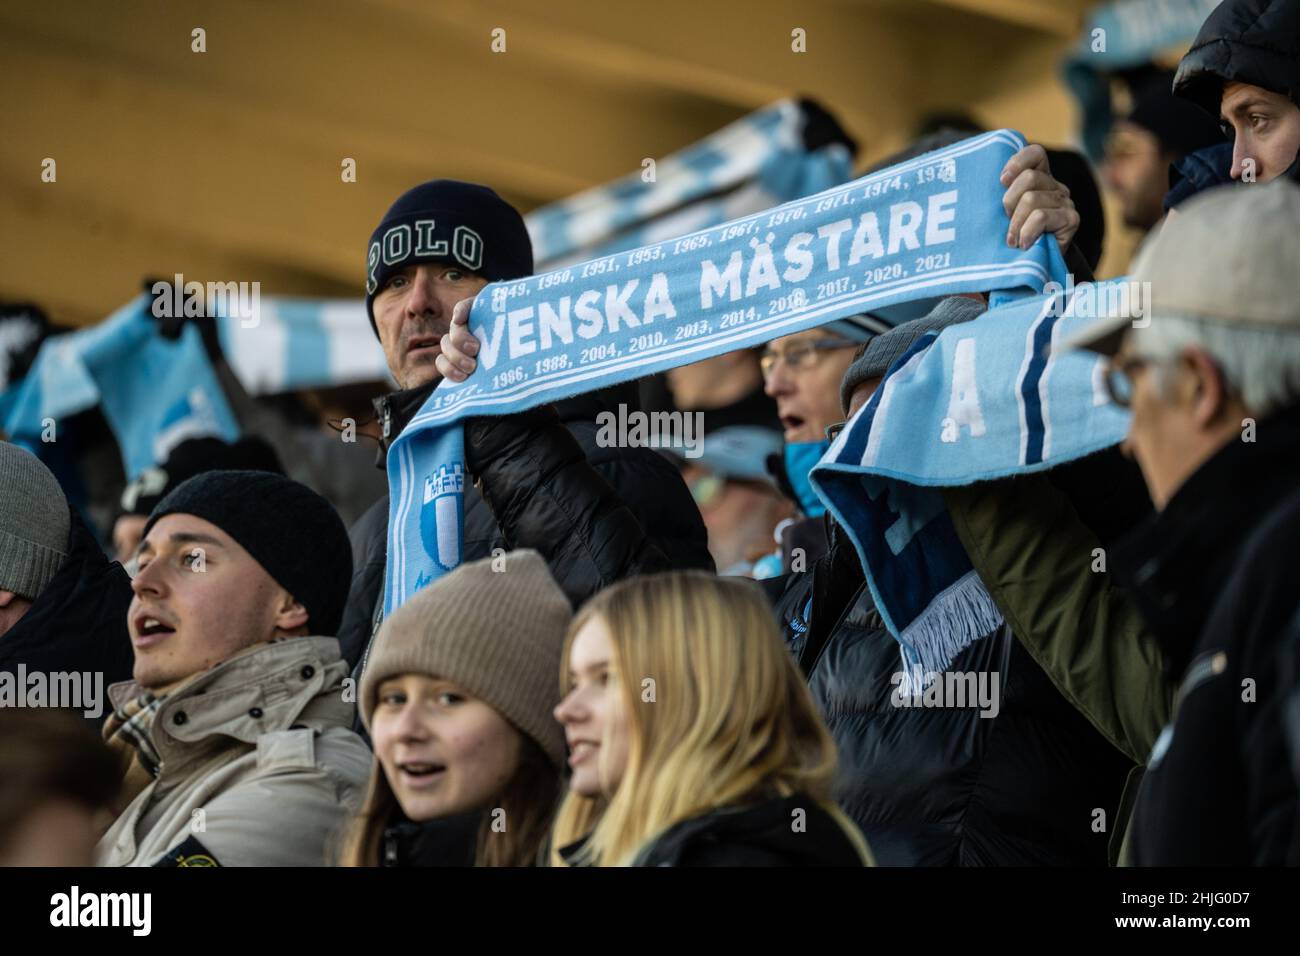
(1213, 382)
(802, 373)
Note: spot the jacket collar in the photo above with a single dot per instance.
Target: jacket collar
(270, 688)
(1177, 561)
(395, 411)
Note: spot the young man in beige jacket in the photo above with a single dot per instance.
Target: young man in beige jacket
(234, 735)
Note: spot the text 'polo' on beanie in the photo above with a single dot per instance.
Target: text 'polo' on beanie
(494, 627)
(445, 220)
(34, 523)
(290, 530)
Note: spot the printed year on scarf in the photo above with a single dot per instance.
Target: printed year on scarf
(928, 227)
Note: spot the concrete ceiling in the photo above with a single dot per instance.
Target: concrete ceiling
(226, 164)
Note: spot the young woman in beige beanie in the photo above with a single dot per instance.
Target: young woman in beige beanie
(694, 739)
(457, 697)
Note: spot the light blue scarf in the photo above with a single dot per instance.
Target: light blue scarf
(154, 393)
(931, 226)
(982, 400)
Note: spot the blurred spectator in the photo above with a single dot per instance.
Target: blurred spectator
(725, 768)
(1159, 131)
(1213, 381)
(57, 786)
(62, 603)
(233, 736)
(738, 499)
(802, 373)
(191, 457)
(1244, 70)
(457, 696)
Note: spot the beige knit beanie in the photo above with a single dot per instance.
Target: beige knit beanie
(499, 633)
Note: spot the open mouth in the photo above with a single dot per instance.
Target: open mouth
(150, 629)
(792, 423)
(580, 751)
(420, 774)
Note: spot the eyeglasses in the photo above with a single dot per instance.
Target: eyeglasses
(801, 355)
(833, 431)
(1119, 378)
(707, 488)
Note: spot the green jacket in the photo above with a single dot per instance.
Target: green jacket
(1046, 571)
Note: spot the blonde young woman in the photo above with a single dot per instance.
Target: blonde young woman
(457, 696)
(693, 738)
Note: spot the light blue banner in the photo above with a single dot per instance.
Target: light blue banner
(928, 227)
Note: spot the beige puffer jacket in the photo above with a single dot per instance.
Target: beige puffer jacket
(259, 765)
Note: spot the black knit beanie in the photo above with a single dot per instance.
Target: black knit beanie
(292, 532)
(448, 221)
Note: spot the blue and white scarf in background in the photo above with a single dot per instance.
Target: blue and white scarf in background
(302, 343)
(982, 400)
(931, 226)
(756, 163)
(153, 392)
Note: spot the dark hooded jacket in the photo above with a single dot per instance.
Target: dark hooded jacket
(946, 786)
(78, 622)
(1248, 41)
(596, 514)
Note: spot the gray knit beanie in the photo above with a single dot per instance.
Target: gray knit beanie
(886, 349)
(34, 523)
(497, 632)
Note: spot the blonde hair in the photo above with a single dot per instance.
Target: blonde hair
(730, 720)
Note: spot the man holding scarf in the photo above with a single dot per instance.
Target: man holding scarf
(542, 481)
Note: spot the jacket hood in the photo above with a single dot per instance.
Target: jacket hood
(285, 683)
(1249, 41)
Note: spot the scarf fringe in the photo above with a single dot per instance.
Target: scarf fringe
(958, 616)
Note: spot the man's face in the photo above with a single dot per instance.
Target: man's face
(740, 516)
(806, 383)
(1182, 416)
(199, 598)
(1265, 127)
(1136, 170)
(413, 312)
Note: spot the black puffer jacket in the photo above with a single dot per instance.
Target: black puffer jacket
(79, 621)
(945, 786)
(1250, 41)
(596, 514)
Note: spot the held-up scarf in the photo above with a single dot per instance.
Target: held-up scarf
(982, 400)
(154, 393)
(928, 227)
